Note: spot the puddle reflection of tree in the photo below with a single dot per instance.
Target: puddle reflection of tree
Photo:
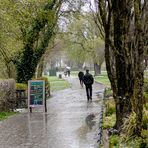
(88, 126)
(90, 121)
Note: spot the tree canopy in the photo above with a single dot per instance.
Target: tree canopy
(29, 25)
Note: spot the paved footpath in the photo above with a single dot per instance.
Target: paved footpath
(70, 122)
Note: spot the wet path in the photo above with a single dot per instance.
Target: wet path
(70, 122)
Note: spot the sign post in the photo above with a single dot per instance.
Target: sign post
(36, 94)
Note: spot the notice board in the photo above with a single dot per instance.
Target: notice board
(36, 93)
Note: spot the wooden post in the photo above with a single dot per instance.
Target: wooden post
(45, 105)
(30, 108)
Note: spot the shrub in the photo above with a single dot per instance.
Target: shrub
(146, 85)
(110, 107)
(109, 121)
(128, 128)
(114, 141)
(139, 142)
(7, 94)
(145, 119)
(146, 90)
(108, 93)
(21, 86)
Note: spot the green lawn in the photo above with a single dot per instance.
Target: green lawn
(5, 115)
(75, 73)
(103, 78)
(57, 83)
(146, 73)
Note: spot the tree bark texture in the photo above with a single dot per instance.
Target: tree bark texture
(39, 69)
(97, 69)
(125, 41)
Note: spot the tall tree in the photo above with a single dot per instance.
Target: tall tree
(18, 20)
(40, 32)
(84, 38)
(125, 27)
(10, 38)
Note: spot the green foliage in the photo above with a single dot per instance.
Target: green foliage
(127, 137)
(146, 85)
(139, 142)
(145, 119)
(5, 115)
(21, 86)
(129, 127)
(103, 78)
(27, 65)
(146, 106)
(57, 83)
(109, 115)
(130, 124)
(146, 91)
(10, 38)
(110, 107)
(108, 93)
(82, 40)
(114, 141)
(109, 121)
(26, 28)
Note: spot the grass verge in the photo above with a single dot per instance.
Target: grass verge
(5, 115)
(57, 83)
(126, 138)
(103, 78)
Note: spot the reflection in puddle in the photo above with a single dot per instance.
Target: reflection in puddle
(89, 104)
(88, 126)
(90, 121)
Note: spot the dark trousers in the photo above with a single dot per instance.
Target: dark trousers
(89, 91)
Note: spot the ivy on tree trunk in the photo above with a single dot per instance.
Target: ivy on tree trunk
(26, 64)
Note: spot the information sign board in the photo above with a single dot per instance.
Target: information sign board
(36, 93)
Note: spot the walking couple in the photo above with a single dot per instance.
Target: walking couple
(88, 80)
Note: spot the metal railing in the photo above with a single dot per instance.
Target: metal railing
(100, 130)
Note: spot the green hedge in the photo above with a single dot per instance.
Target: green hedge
(21, 86)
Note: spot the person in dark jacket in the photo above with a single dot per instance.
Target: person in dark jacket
(80, 75)
(88, 81)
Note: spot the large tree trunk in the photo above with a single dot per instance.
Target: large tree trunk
(124, 54)
(97, 69)
(139, 66)
(39, 69)
(123, 101)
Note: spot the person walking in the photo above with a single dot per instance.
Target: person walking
(68, 70)
(80, 75)
(88, 81)
(65, 71)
